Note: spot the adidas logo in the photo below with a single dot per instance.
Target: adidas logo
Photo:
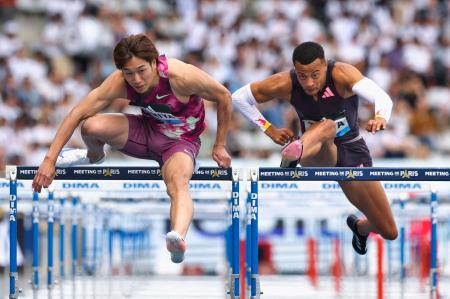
(327, 93)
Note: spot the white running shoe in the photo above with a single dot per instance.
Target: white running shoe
(176, 246)
(69, 157)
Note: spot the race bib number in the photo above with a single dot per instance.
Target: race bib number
(342, 126)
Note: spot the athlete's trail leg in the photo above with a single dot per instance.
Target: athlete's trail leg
(101, 129)
(369, 197)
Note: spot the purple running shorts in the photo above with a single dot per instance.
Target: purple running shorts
(145, 143)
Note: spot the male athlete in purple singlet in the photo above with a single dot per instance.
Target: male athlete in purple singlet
(325, 96)
(170, 94)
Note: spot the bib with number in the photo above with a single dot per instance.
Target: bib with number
(342, 126)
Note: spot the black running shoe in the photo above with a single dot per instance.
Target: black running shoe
(359, 241)
(287, 164)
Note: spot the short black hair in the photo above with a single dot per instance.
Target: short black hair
(307, 52)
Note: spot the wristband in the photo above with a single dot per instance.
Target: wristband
(263, 124)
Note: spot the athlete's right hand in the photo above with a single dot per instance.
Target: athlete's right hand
(44, 175)
(376, 124)
(280, 136)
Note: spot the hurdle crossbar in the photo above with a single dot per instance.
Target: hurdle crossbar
(353, 174)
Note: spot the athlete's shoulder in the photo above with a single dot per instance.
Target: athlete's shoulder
(282, 77)
(277, 81)
(341, 67)
(186, 79)
(117, 75)
(344, 69)
(113, 85)
(345, 74)
(178, 69)
(278, 85)
(175, 64)
(115, 79)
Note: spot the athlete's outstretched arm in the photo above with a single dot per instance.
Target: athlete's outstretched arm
(277, 86)
(188, 80)
(112, 88)
(355, 83)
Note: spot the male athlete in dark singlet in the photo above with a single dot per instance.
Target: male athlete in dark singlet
(325, 95)
(170, 94)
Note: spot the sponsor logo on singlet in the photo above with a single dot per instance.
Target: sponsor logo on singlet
(160, 97)
(327, 93)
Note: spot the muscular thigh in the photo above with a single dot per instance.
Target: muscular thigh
(363, 191)
(369, 197)
(326, 157)
(111, 128)
(177, 170)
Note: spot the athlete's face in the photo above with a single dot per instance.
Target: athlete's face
(311, 76)
(140, 74)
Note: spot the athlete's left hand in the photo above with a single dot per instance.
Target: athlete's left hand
(376, 124)
(221, 156)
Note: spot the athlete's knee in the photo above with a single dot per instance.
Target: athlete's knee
(328, 129)
(390, 233)
(91, 126)
(177, 183)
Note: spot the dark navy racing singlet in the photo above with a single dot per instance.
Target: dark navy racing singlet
(329, 105)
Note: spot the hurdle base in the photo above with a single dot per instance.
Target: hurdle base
(35, 279)
(14, 276)
(258, 286)
(232, 290)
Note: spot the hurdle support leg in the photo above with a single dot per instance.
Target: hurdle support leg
(84, 237)
(433, 270)
(380, 273)
(402, 241)
(50, 221)
(62, 226)
(13, 275)
(235, 223)
(248, 243)
(94, 247)
(111, 237)
(255, 288)
(228, 249)
(337, 267)
(35, 228)
(74, 236)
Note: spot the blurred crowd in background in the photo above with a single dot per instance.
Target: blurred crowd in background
(52, 53)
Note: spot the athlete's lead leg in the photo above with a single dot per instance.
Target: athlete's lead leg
(177, 171)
